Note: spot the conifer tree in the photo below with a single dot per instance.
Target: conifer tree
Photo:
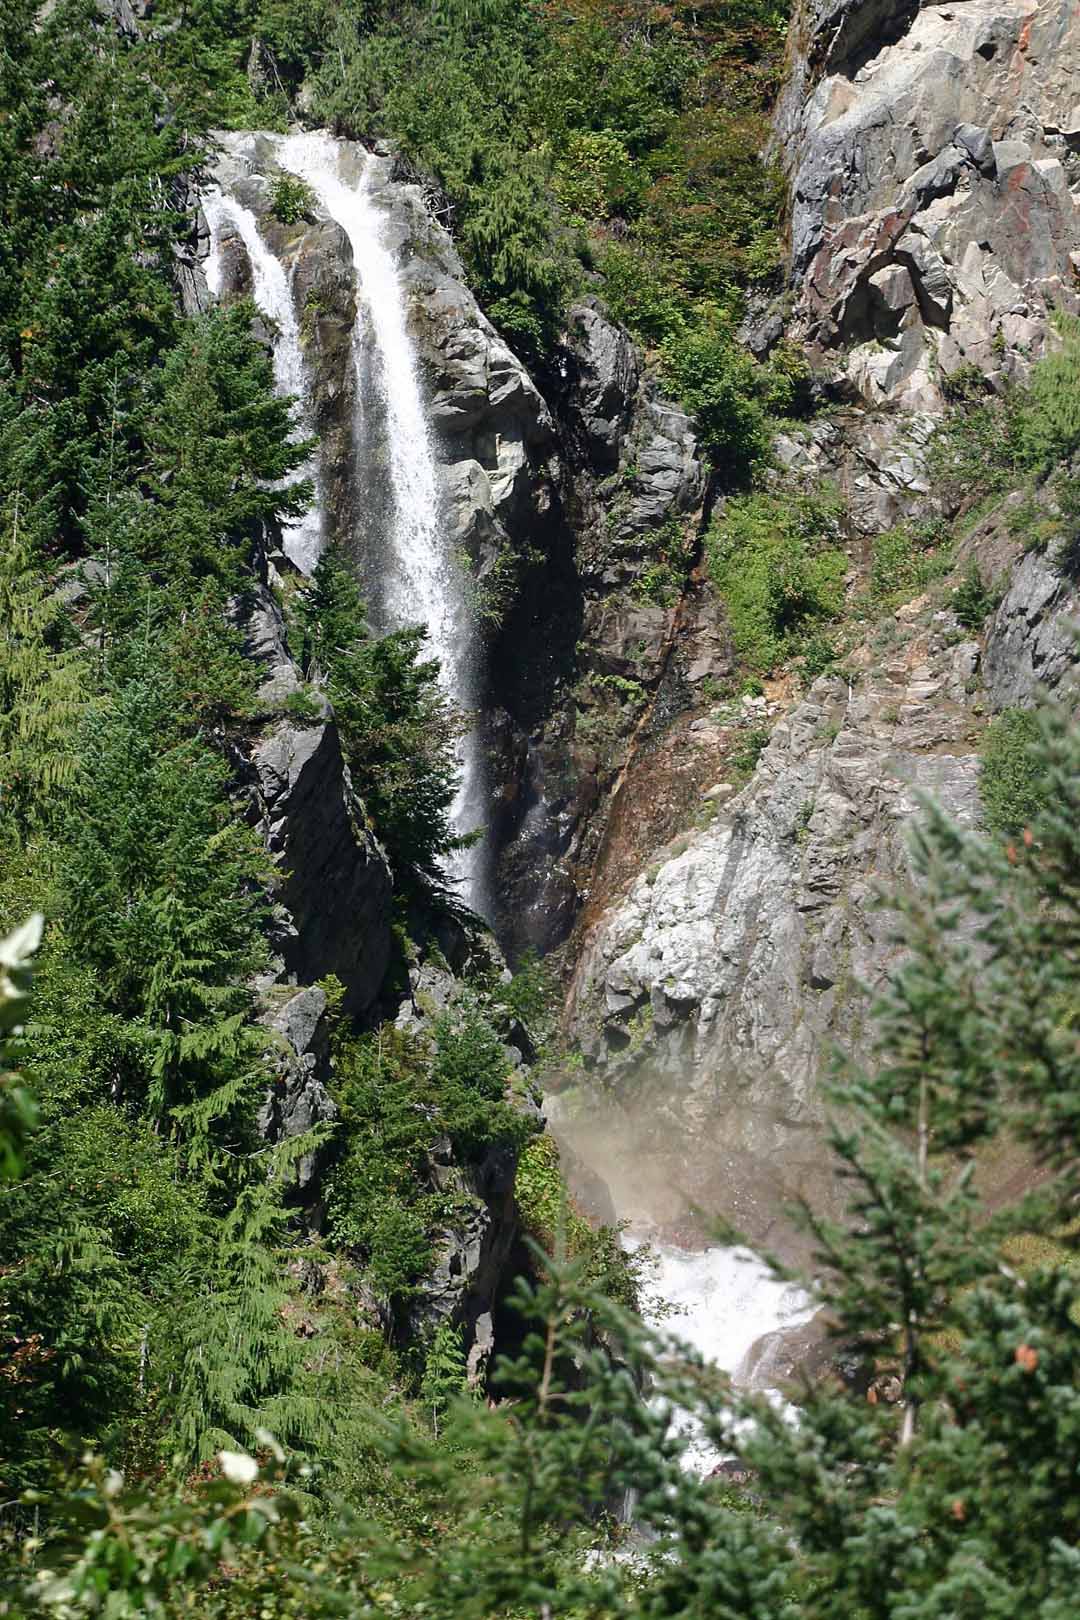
(43, 688)
(397, 727)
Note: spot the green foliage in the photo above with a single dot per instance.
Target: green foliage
(303, 706)
(1048, 423)
(958, 1501)
(397, 728)
(971, 601)
(1011, 780)
(553, 1222)
(159, 884)
(43, 688)
(547, 1212)
(444, 1369)
(217, 439)
(716, 381)
(905, 561)
(776, 564)
(18, 1110)
(597, 133)
(290, 199)
(400, 1097)
(236, 1362)
(990, 443)
(747, 750)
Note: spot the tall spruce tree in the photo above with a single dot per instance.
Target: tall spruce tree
(43, 684)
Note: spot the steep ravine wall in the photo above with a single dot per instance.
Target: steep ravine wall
(551, 512)
(932, 163)
(560, 504)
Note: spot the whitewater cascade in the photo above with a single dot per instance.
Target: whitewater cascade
(724, 1300)
(302, 540)
(413, 576)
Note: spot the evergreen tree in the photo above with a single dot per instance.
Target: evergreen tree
(43, 687)
(218, 442)
(397, 727)
(161, 896)
(18, 1110)
(235, 1360)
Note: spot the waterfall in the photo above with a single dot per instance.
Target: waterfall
(412, 575)
(302, 539)
(725, 1299)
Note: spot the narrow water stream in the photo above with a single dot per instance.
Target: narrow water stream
(272, 293)
(413, 575)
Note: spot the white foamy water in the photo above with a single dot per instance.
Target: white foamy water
(424, 582)
(302, 538)
(726, 1300)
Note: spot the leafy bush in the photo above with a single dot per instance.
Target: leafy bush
(303, 706)
(775, 563)
(905, 561)
(1049, 417)
(971, 601)
(747, 750)
(551, 1218)
(1011, 783)
(290, 199)
(717, 382)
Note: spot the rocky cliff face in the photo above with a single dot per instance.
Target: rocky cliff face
(725, 937)
(933, 158)
(931, 154)
(709, 994)
(563, 506)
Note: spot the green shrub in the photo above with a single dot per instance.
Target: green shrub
(775, 563)
(399, 1251)
(551, 1218)
(291, 199)
(595, 175)
(971, 601)
(1049, 418)
(303, 706)
(746, 752)
(905, 561)
(719, 385)
(1011, 785)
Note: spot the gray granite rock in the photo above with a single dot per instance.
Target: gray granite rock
(335, 889)
(710, 994)
(1032, 638)
(298, 1100)
(604, 373)
(931, 141)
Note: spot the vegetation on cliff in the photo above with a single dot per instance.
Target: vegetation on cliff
(957, 1500)
(167, 1326)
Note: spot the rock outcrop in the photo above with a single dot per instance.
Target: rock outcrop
(588, 652)
(332, 900)
(711, 993)
(298, 1101)
(932, 154)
